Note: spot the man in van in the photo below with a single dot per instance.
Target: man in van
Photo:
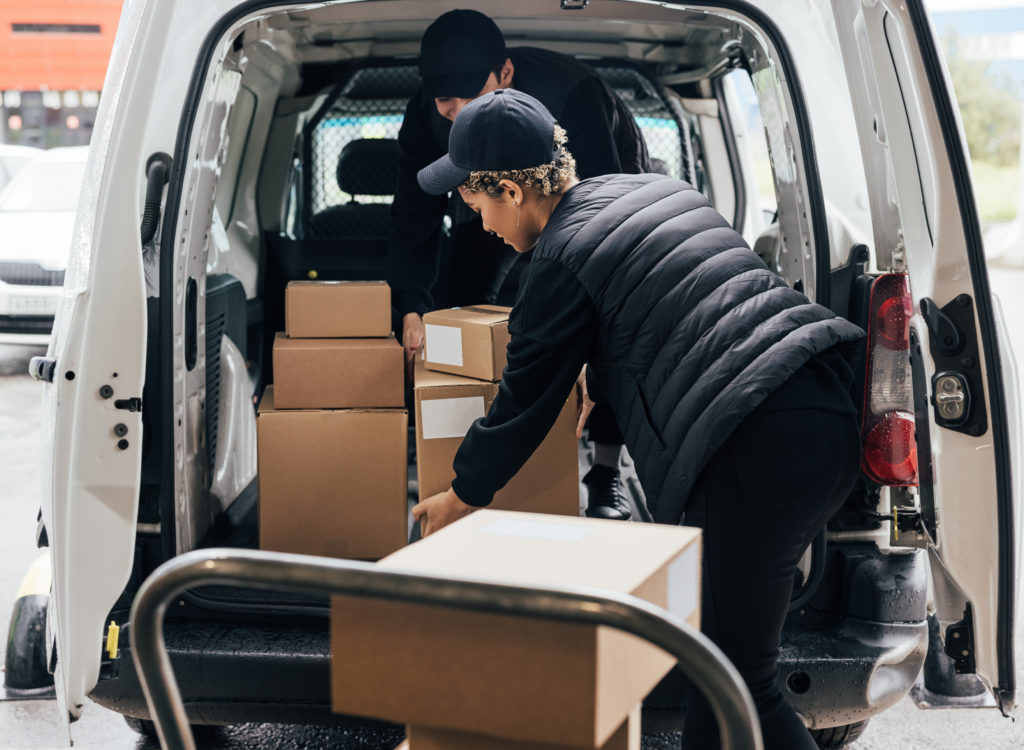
(463, 56)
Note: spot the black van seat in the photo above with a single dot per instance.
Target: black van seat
(366, 167)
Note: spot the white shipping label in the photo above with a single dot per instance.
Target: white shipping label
(450, 417)
(444, 345)
(684, 583)
(559, 532)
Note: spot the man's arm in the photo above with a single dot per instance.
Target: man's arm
(603, 136)
(413, 248)
(552, 331)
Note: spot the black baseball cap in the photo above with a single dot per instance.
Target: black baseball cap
(457, 53)
(503, 130)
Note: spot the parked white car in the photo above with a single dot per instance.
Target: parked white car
(37, 216)
(243, 109)
(13, 158)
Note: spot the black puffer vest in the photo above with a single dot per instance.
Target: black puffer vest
(694, 331)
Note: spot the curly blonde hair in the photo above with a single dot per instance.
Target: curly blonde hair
(547, 179)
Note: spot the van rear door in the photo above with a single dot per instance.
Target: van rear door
(92, 380)
(968, 425)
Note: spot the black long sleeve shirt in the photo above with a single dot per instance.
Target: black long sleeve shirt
(552, 329)
(603, 138)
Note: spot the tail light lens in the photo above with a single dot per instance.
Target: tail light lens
(890, 447)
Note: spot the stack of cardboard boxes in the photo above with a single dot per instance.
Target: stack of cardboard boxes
(332, 430)
(455, 385)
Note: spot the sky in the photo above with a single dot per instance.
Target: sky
(949, 6)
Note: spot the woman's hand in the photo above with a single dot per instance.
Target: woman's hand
(412, 341)
(586, 405)
(440, 510)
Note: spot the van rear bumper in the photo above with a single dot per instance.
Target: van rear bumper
(230, 673)
(852, 673)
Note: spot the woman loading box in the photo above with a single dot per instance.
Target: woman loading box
(731, 389)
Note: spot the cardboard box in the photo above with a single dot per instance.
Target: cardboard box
(626, 737)
(521, 679)
(468, 341)
(337, 309)
(332, 482)
(338, 373)
(446, 406)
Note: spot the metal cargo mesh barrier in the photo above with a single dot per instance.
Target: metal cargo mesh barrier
(660, 126)
(372, 102)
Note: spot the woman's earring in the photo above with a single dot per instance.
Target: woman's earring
(518, 209)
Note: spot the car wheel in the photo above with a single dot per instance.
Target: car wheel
(201, 732)
(25, 667)
(834, 738)
(145, 727)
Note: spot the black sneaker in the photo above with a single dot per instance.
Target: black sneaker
(604, 498)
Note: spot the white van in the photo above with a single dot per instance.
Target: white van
(826, 132)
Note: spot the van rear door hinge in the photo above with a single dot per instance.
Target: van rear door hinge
(960, 643)
(906, 529)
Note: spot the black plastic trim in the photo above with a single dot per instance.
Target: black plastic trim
(739, 185)
(958, 163)
(306, 205)
(925, 473)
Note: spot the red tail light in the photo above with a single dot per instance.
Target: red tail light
(892, 323)
(890, 447)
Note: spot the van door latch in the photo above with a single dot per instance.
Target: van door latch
(957, 393)
(128, 404)
(952, 398)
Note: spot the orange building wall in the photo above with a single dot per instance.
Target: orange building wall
(56, 61)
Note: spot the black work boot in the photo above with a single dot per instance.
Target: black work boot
(604, 498)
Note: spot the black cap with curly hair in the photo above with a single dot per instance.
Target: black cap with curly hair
(505, 129)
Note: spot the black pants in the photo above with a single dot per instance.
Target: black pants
(760, 501)
(480, 262)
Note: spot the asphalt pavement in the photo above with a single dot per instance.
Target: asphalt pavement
(37, 724)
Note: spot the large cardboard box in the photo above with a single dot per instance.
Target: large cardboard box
(338, 373)
(332, 482)
(626, 737)
(337, 309)
(469, 341)
(446, 406)
(521, 679)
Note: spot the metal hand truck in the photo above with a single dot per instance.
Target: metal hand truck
(705, 665)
